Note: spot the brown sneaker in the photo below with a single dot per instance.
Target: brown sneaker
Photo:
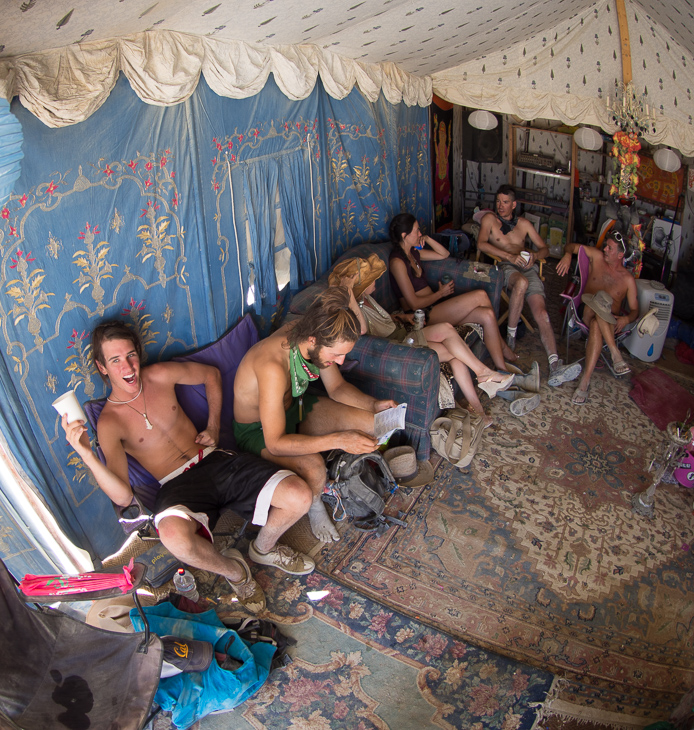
(249, 593)
(284, 558)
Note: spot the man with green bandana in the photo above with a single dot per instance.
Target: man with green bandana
(274, 416)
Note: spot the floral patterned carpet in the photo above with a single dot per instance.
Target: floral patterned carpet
(535, 552)
(358, 666)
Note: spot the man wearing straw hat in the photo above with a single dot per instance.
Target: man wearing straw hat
(609, 284)
(274, 416)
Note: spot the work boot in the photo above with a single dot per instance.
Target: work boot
(531, 381)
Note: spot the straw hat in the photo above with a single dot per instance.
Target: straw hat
(601, 304)
(368, 269)
(408, 472)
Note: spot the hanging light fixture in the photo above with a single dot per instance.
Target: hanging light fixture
(588, 139)
(10, 150)
(667, 160)
(481, 119)
(630, 111)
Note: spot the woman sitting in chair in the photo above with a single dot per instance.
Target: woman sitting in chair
(407, 278)
(360, 275)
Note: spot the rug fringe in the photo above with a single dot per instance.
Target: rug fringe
(554, 707)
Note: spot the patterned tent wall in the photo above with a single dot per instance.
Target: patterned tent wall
(567, 72)
(128, 215)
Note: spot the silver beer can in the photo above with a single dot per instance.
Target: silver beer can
(420, 319)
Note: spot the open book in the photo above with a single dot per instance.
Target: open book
(387, 422)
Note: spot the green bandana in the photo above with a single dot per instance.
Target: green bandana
(303, 372)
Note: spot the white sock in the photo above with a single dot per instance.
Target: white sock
(511, 331)
(552, 359)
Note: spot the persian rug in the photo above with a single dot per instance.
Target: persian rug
(534, 552)
(357, 666)
(660, 397)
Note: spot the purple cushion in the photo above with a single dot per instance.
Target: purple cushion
(225, 354)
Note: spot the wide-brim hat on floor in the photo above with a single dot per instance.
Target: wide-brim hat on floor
(369, 269)
(408, 472)
(601, 304)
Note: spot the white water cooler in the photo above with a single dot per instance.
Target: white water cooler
(651, 295)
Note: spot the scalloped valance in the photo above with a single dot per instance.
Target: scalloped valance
(66, 85)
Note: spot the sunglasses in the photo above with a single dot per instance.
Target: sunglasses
(618, 238)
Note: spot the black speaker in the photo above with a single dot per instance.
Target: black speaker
(483, 145)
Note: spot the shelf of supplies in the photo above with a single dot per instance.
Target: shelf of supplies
(551, 206)
(545, 173)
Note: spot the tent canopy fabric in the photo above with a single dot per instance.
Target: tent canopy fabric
(529, 58)
(65, 86)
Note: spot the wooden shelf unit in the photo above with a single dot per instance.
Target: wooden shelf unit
(513, 168)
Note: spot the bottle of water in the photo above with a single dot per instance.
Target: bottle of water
(185, 585)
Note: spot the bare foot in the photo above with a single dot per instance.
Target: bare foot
(321, 525)
(509, 354)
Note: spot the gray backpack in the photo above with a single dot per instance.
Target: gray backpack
(358, 486)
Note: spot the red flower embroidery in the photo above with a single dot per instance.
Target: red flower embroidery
(162, 162)
(52, 187)
(148, 166)
(230, 144)
(174, 201)
(240, 138)
(216, 186)
(13, 232)
(132, 165)
(148, 183)
(233, 158)
(108, 171)
(5, 213)
(134, 305)
(219, 146)
(23, 200)
(214, 160)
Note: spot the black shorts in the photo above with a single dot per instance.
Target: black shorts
(222, 480)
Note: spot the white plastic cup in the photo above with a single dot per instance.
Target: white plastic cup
(525, 255)
(67, 404)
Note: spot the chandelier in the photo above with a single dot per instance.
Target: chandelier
(630, 111)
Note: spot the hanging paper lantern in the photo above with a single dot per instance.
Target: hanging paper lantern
(10, 150)
(667, 160)
(481, 119)
(588, 139)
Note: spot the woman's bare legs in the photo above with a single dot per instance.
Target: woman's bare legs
(461, 373)
(445, 333)
(475, 306)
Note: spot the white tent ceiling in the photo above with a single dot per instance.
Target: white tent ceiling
(549, 58)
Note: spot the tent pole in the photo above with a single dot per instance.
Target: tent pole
(624, 40)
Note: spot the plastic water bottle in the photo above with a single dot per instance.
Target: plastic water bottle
(185, 585)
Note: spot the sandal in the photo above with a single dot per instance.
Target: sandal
(249, 593)
(491, 388)
(620, 368)
(579, 397)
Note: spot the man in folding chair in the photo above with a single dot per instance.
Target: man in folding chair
(144, 419)
(502, 235)
(609, 284)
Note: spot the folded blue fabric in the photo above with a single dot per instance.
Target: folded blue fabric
(191, 696)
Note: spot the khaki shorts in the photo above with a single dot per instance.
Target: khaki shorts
(535, 285)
